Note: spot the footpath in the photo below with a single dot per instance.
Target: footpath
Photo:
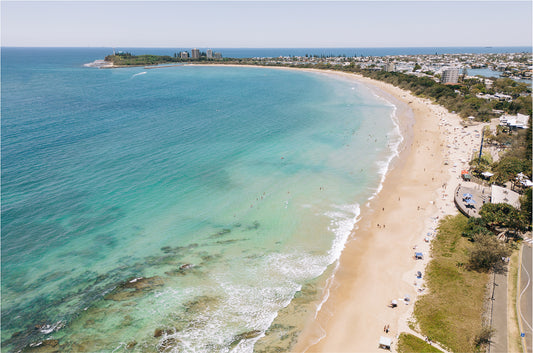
(498, 308)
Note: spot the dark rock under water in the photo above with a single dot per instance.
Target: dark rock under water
(134, 287)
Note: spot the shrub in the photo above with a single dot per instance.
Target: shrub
(525, 207)
(484, 336)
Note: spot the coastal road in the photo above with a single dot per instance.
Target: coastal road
(525, 296)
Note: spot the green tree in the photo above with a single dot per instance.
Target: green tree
(487, 254)
(475, 226)
(501, 214)
(480, 165)
(509, 166)
(525, 207)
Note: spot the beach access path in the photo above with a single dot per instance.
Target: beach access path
(377, 264)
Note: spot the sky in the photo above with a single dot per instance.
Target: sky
(265, 24)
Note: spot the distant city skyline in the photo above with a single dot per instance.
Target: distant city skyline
(266, 24)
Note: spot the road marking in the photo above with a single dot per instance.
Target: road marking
(520, 298)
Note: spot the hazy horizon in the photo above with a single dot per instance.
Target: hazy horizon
(266, 24)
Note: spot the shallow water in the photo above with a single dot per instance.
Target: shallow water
(184, 208)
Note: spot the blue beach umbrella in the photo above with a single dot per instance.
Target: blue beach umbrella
(467, 196)
(471, 201)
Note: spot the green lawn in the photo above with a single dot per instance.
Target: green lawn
(408, 343)
(451, 311)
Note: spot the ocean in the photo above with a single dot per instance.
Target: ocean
(276, 52)
(190, 209)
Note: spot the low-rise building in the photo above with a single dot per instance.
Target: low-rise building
(503, 195)
(519, 121)
(503, 97)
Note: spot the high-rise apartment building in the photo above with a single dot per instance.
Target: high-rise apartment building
(195, 53)
(450, 75)
(209, 53)
(389, 67)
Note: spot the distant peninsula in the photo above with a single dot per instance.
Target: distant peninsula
(121, 59)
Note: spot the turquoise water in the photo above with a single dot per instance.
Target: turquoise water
(177, 209)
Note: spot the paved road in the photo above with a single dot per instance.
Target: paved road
(499, 314)
(525, 296)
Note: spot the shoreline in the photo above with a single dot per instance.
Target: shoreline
(392, 227)
(353, 317)
(416, 192)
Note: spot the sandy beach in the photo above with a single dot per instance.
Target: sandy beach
(378, 262)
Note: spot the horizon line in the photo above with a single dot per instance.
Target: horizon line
(246, 47)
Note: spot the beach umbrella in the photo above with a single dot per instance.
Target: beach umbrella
(467, 195)
(470, 201)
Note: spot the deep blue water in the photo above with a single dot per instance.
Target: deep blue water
(100, 53)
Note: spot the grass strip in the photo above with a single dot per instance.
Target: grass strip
(408, 343)
(451, 312)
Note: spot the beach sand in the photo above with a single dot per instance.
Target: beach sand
(377, 264)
